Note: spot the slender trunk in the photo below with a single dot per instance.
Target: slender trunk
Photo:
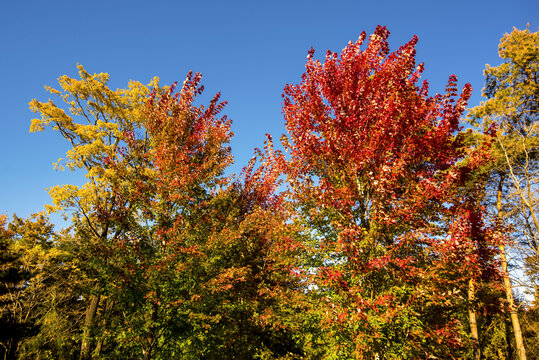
(88, 322)
(521, 352)
(519, 342)
(98, 348)
(473, 320)
(109, 303)
(146, 352)
(510, 350)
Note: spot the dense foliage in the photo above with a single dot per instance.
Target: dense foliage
(380, 171)
(368, 237)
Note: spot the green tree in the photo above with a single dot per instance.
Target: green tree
(512, 91)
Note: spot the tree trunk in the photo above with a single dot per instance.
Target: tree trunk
(521, 351)
(150, 339)
(88, 322)
(98, 348)
(109, 303)
(473, 320)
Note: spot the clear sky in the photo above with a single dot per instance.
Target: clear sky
(248, 50)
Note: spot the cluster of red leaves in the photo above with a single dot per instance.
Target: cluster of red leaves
(361, 117)
(189, 140)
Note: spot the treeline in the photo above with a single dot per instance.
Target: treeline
(383, 229)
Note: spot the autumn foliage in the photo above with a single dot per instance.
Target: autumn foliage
(360, 236)
(379, 169)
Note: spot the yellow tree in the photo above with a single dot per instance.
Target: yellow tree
(95, 120)
(512, 94)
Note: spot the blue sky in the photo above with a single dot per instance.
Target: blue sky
(248, 50)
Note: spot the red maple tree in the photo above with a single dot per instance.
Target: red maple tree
(381, 174)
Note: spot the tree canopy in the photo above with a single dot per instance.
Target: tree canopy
(369, 231)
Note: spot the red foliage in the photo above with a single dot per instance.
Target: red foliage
(189, 141)
(382, 174)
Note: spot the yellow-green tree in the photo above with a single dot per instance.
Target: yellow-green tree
(13, 327)
(39, 316)
(95, 120)
(512, 92)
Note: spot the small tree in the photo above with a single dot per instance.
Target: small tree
(28, 263)
(12, 275)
